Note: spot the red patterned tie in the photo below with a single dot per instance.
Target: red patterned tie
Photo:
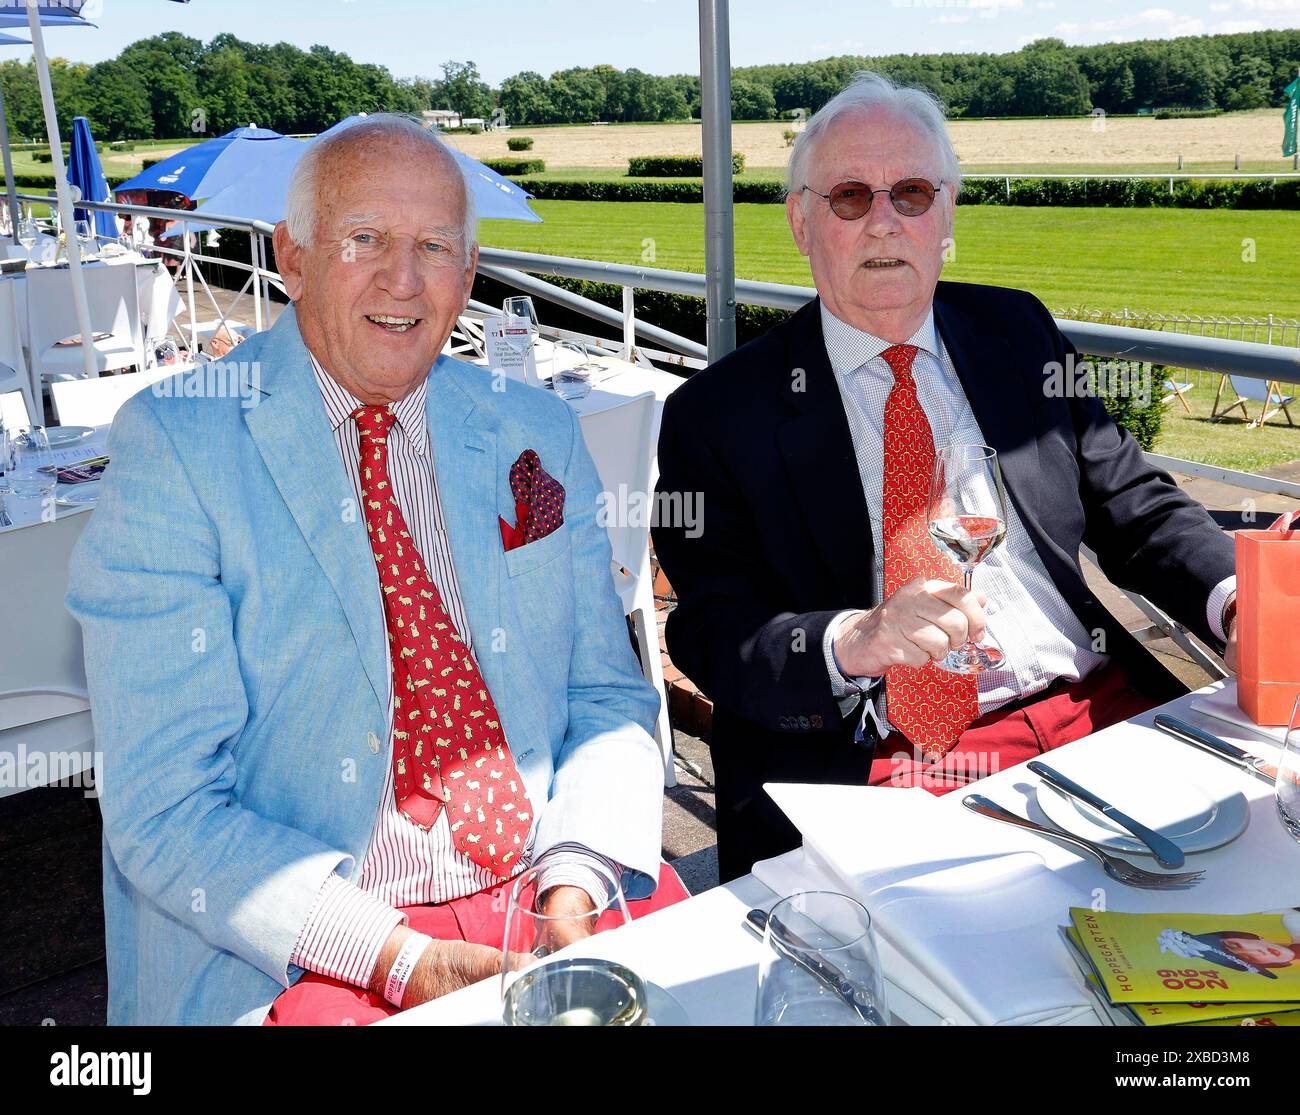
(448, 746)
(930, 706)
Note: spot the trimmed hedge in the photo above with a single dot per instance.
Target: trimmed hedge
(675, 166)
(516, 166)
(147, 163)
(26, 183)
(1258, 193)
(548, 189)
(520, 143)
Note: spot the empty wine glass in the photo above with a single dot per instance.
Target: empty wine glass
(967, 521)
(28, 233)
(30, 469)
(571, 377)
(85, 236)
(1288, 775)
(546, 980)
(820, 967)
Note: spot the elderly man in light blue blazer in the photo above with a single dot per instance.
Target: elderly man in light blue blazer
(256, 862)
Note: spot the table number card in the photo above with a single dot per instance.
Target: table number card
(514, 363)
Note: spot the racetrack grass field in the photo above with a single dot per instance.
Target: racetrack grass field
(1155, 260)
(1227, 442)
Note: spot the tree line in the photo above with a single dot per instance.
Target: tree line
(172, 85)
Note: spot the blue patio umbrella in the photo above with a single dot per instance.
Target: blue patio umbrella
(85, 172)
(263, 193)
(207, 168)
(13, 40)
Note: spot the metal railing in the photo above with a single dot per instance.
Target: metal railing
(524, 271)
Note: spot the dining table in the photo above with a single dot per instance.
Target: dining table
(704, 955)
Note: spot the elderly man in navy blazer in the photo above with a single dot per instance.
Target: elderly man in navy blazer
(354, 652)
(812, 606)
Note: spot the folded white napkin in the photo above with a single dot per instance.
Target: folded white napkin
(1222, 705)
(971, 912)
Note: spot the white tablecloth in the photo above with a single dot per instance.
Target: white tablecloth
(700, 952)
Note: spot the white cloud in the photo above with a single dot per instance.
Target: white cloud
(1235, 26)
(1160, 22)
(951, 18)
(1046, 5)
(1220, 7)
(1271, 5)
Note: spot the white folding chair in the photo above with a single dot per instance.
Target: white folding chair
(51, 314)
(13, 409)
(11, 342)
(44, 707)
(95, 402)
(620, 440)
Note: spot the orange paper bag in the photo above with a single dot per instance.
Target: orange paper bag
(1268, 609)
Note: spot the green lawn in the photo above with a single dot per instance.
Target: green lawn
(1164, 260)
(1227, 442)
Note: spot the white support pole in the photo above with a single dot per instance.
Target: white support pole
(188, 263)
(629, 323)
(15, 212)
(255, 257)
(66, 219)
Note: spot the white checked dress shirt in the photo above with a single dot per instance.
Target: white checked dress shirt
(1028, 618)
(405, 866)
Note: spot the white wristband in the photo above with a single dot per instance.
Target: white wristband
(400, 973)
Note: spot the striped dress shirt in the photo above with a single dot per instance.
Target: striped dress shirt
(404, 865)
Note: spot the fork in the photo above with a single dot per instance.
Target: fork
(1118, 869)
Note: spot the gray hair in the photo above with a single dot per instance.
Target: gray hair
(300, 209)
(869, 91)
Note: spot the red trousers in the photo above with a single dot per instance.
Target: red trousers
(317, 1000)
(1013, 734)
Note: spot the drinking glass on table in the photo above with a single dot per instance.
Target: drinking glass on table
(28, 234)
(85, 237)
(541, 988)
(1288, 775)
(28, 460)
(820, 967)
(968, 520)
(571, 377)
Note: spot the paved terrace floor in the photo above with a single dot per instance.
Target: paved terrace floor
(51, 918)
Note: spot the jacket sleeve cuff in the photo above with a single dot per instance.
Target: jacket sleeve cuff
(1219, 597)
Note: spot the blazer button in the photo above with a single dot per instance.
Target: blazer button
(373, 740)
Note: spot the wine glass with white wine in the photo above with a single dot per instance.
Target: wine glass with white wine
(968, 521)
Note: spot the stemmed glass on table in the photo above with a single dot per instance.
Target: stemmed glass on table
(544, 986)
(519, 327)
(1288, 775)
(968, 520)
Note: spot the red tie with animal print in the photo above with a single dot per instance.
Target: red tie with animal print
(448, 746)
(930, 706)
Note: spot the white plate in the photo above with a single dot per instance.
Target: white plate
(1187, 811)
(67, 435)
(77, 495)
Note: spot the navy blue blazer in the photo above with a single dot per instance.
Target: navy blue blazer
(786, 544)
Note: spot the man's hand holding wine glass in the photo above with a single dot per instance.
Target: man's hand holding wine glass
(920, 623)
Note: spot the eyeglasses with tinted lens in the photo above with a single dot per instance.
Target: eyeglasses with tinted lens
(851, 201)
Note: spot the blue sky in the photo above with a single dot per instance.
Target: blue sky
(411, 37)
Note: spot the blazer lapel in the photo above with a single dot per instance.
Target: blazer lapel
(1001, 397)
(823, 467)
(293, 436)
(463, 441)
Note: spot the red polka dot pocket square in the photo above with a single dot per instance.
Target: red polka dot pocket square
(539, 502)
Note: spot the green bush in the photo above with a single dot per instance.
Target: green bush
(605, 189)
(516, 166)
(122, 145)
(789, 135)
(42, 157)
(147, 163)
(675, 166)
(520, 143)
(1186, 113)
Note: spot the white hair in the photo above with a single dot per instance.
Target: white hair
(869, 91)
(300, 209)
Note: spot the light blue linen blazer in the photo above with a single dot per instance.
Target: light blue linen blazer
(235, 652)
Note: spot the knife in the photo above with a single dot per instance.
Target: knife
(821, 970)
(1167, 853)
(1220, 748)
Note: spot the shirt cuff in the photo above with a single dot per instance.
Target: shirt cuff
(1218, 601)
(846, 690)
(345, 932)
(574, 865)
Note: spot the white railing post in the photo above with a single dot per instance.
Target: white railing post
(629, 323)
(255, 256)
